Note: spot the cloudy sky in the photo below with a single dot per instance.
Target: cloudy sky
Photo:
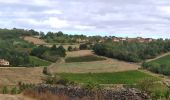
(147, 18)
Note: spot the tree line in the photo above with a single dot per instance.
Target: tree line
(132, 51)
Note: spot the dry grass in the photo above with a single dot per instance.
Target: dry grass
(94, 67)
(109, 65)
(44, 96)
(14, 97)
(34, 40)
(11, 76)
(80, 53)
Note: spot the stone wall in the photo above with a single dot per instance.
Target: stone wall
(77, 93)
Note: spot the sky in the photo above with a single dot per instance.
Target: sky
(124, 18)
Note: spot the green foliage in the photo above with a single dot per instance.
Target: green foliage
(60, 37)
(83, 47)
(84, 59)
(24, 86)
(160, 65)
(57, 80)
(155, 89)
(128, 77)
(50, 54)
(46, 71)
(39, 62)
(70, 48)
(132, 51)
(5, 90)
(14, 90)
(91, 86)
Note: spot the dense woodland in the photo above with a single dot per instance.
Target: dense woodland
(132, 51)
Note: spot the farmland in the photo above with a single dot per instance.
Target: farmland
(89, 58)
(127, 77)
(108, 65)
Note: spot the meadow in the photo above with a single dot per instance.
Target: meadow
(127, 77)
(162, 60)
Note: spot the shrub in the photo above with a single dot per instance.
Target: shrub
(46, 71)
(83, 47)
(70, 48)
(14, 90)
(5, 90)
(155, 67)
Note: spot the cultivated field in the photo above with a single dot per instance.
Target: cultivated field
(80, 53)
(34, 40)
(127, 77)
(108, 65)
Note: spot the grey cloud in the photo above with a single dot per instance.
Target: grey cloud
(112, 16)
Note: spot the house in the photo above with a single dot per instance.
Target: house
(149, 40)
(4, 62)
(115, 39)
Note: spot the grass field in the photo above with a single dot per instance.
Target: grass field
(162, 60)
(88, 58)
(39, 62)
(127, 77)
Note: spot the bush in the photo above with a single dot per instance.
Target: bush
(45, 71)
(155, 67)
(70, 48)
(83, 47)
(14, 90)
(5, 90)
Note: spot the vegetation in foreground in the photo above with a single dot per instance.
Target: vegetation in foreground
(161, 65)
(88, 58)
(128, 77)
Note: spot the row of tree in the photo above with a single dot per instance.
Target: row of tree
(50, 54)
(132, 51)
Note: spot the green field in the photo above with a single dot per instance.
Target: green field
(39, 62)
(88, 58)
(128, 77)
(162, 60)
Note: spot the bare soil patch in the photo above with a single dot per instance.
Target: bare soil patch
(80, 53)
(34, 40)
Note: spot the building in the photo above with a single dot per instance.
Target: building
(115, 39)
(4, 62)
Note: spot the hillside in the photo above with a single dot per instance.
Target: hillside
(34, 40)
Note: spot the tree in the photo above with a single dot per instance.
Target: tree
(83, 47)
(70, 48)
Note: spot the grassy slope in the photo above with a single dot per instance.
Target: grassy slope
(128, 77)
(88, 58)
(39, 62)
(162, 60)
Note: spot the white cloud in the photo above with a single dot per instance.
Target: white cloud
(52, 12)
(84, 27)
(56, 23)
(164, 9)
